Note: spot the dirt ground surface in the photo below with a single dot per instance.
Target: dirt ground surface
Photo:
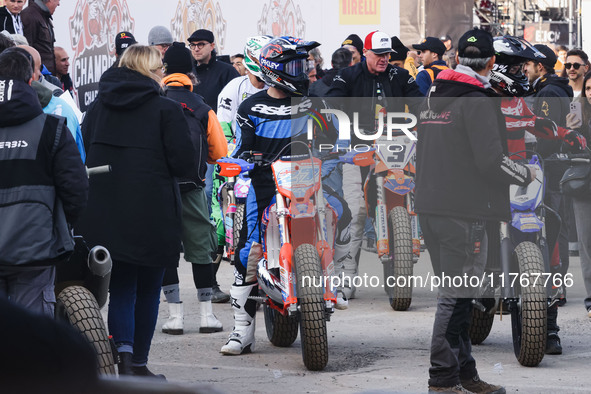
(373, 349)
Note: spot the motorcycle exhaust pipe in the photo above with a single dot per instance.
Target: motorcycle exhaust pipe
(99, 265)
(267, 282)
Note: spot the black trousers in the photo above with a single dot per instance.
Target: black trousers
(457, 248)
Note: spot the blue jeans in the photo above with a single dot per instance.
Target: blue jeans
(133, 308)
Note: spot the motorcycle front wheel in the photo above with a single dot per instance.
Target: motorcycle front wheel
(529, 316)
(77, 306)
(312, 309)
(401, 265)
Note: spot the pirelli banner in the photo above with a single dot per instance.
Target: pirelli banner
(87, 28)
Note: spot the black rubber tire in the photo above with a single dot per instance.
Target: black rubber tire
(529, 320)
(480, 326)
(77, 305)
(282, 330)
(311, 304)
(401, 242)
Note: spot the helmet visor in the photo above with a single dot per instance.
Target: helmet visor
(295, 67)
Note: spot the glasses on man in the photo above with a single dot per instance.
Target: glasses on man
(576, 66)
(198, 45)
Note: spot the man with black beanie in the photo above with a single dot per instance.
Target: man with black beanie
(198, 234)
(354, 44)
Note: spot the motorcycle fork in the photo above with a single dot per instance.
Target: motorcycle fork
(230, 217)
(545, 249)
(286, 273)
(381, 220)
(507, 291)
(325, 251)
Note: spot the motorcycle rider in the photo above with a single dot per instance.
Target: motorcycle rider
(229, 99)
(264, 124)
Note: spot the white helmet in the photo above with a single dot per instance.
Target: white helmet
(252, 52)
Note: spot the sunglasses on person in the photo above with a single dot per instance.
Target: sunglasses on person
(576, 66)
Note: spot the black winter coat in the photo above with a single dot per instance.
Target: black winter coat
(6, 21)
(135, 210)
(213, 77)
(462, 165)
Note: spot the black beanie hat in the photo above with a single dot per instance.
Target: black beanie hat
(178, 59)
(551, 58)
(400, 50)
(355, 40)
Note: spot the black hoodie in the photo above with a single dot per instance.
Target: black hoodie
(462, 165)
(552, 95)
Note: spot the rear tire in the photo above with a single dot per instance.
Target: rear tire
(529, 317)
(77, 305)
(480, 325)
(311, 302)
(282, 330)
(401, 236)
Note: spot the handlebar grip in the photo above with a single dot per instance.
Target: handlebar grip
(98, 170)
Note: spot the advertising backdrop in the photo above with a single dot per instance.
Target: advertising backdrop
(87, 28)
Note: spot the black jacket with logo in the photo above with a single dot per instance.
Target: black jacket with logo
(552, 96)
(43, 183)
(462, 165)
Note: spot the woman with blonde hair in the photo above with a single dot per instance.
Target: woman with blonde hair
(135, 210)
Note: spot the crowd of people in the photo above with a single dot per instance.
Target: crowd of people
(166, 111)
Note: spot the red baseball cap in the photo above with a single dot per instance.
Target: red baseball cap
(378, 42)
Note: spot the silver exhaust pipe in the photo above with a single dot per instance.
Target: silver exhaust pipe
(99, 261)
(268, 283)
(99, 265)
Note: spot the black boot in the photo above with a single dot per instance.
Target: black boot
(144, 371)
(124, 366)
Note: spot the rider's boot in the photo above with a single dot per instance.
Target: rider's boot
(340, 254)
(553, 345)
(174, 325)
(350, 271)
(242, 339)
(209, 323)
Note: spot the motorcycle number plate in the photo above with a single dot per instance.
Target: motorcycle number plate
(395, 153)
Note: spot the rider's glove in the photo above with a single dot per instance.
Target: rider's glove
(576, 140)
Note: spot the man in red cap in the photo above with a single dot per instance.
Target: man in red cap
(374, 78)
